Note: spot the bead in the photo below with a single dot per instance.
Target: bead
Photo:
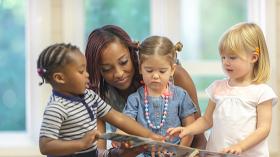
(147, 110)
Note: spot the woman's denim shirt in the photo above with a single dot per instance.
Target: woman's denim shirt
(180, 106)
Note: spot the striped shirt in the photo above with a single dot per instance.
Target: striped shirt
(70, 117)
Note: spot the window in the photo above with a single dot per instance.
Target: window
(132, 15)
(12, 65)
(201, 29)
(198, 25)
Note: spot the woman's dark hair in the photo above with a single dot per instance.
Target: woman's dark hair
(98, 40)
(52, 58)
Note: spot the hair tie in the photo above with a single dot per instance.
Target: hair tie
(178, 46)
(137, 44)
(258, 50)
(142, 82)
(41, 71)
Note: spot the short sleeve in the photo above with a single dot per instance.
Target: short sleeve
(131, 107)
(187, 106)
(53, 117)
(210, 91)
(102, 107)
(267, 93)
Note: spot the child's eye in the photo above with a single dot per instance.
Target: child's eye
(162, 71)
(149, 70)
(81, 70)
(232, 57)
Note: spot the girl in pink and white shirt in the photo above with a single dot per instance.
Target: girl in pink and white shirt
(240, 107)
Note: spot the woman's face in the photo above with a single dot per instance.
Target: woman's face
(116, 66)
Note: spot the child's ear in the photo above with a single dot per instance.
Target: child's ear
(58, 77)
(173, 68)
(255, 57)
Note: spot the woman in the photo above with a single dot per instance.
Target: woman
(112, 64)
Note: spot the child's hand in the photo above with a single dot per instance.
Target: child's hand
(156, 137)
(89, 138)
(179, 131)
(235, 149)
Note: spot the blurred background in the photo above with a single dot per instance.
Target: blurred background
(28, 26)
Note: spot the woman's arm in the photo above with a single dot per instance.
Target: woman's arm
(183, 79)
(264, 118)
(187, 140)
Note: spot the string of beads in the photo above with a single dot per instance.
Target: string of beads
(147, 113)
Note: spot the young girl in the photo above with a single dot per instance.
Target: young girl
(158, 104)
(69, 121)
(240, 107)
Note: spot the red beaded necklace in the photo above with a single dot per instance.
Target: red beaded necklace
(166, 96)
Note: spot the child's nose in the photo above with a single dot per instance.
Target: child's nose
(155, 76)
(225, 61)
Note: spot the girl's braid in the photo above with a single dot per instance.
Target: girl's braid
(52, 58)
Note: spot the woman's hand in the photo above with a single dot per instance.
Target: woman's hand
(125, 150)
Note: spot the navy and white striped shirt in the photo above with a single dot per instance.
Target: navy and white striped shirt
(70, 117)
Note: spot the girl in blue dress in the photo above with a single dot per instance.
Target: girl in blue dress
(159, 104)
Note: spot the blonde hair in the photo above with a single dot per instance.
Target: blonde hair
(161, 46)
(249, 38)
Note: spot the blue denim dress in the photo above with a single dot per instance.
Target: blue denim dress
(180, 105)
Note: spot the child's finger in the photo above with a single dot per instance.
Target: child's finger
(175, 131)
(168, 130)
